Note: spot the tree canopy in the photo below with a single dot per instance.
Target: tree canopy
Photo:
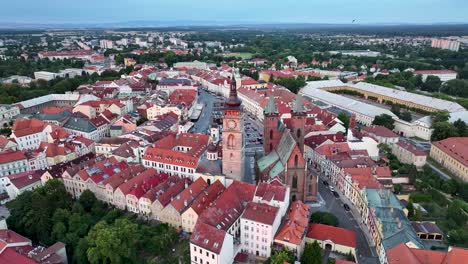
(384, 120)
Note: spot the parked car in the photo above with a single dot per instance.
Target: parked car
(346, 207)
(325, 183)
(335, 194)
(332, 189)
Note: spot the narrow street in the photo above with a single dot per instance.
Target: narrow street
(334, 205)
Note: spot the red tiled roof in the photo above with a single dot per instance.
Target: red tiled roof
(11, 156)
(338, 235)
(11, 237)
(23, 179)
(135, 184)
(261, 213)
(411, 148)
(24, 127)
(380, 131)
(208, 237)
(178, 187)
(67, 53)
(402, 254)
(333, 149)
(435, 72)
(185, 199)
(455, 147)
(55, 110)
(229, 205)
(295, 224)
(456, 255)
(9, 255)
(269, 192)
(207, 197)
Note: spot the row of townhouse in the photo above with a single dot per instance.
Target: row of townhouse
(362, 181)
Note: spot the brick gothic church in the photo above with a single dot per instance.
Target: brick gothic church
(233, 127)
(285, 153)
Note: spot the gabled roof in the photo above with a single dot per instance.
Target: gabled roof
(268, 192)
(208, 237)
(207, 197)
(338, 235)
(261, 213)
(24, 179)
(178, 187)
(229, 206)
(295, 224)
(185, 199)
(11, 156)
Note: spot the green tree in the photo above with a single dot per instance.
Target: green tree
(406, 116)
(442, 116)
(462, 128)
(345, 119)
(432, 84)
(443, 130)
(384, 120)
(115, 243)
(87, 200)
(312, 253)
(324, 218)
(281, 256)
(397, 188)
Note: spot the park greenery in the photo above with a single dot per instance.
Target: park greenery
(27, 67)
(325, 218)
(446, 201)
(92, 231)
(444, 129)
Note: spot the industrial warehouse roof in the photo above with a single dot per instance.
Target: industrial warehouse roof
(312, 90)
(410, 97)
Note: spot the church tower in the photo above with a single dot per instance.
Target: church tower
(232, 136)
(298, 121)
(270, 126)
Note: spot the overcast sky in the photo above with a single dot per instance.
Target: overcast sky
(271, 11)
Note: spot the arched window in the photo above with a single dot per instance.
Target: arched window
(296, 161)
(294, 182)
(230, 142)
(271, 134)
(298, 133)
(231, 156)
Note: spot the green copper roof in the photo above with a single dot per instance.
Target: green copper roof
(271, 107)
(276, 170)
(267, 160)
(298, 107)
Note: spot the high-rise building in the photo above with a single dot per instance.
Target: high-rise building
(232, 137)
(453, 45)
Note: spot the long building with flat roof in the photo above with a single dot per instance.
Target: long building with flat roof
(365, 113)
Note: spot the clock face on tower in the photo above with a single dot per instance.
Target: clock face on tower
(232, 124)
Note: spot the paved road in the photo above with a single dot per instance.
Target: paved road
(442, 174)
(334, 205)
(204, 122)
